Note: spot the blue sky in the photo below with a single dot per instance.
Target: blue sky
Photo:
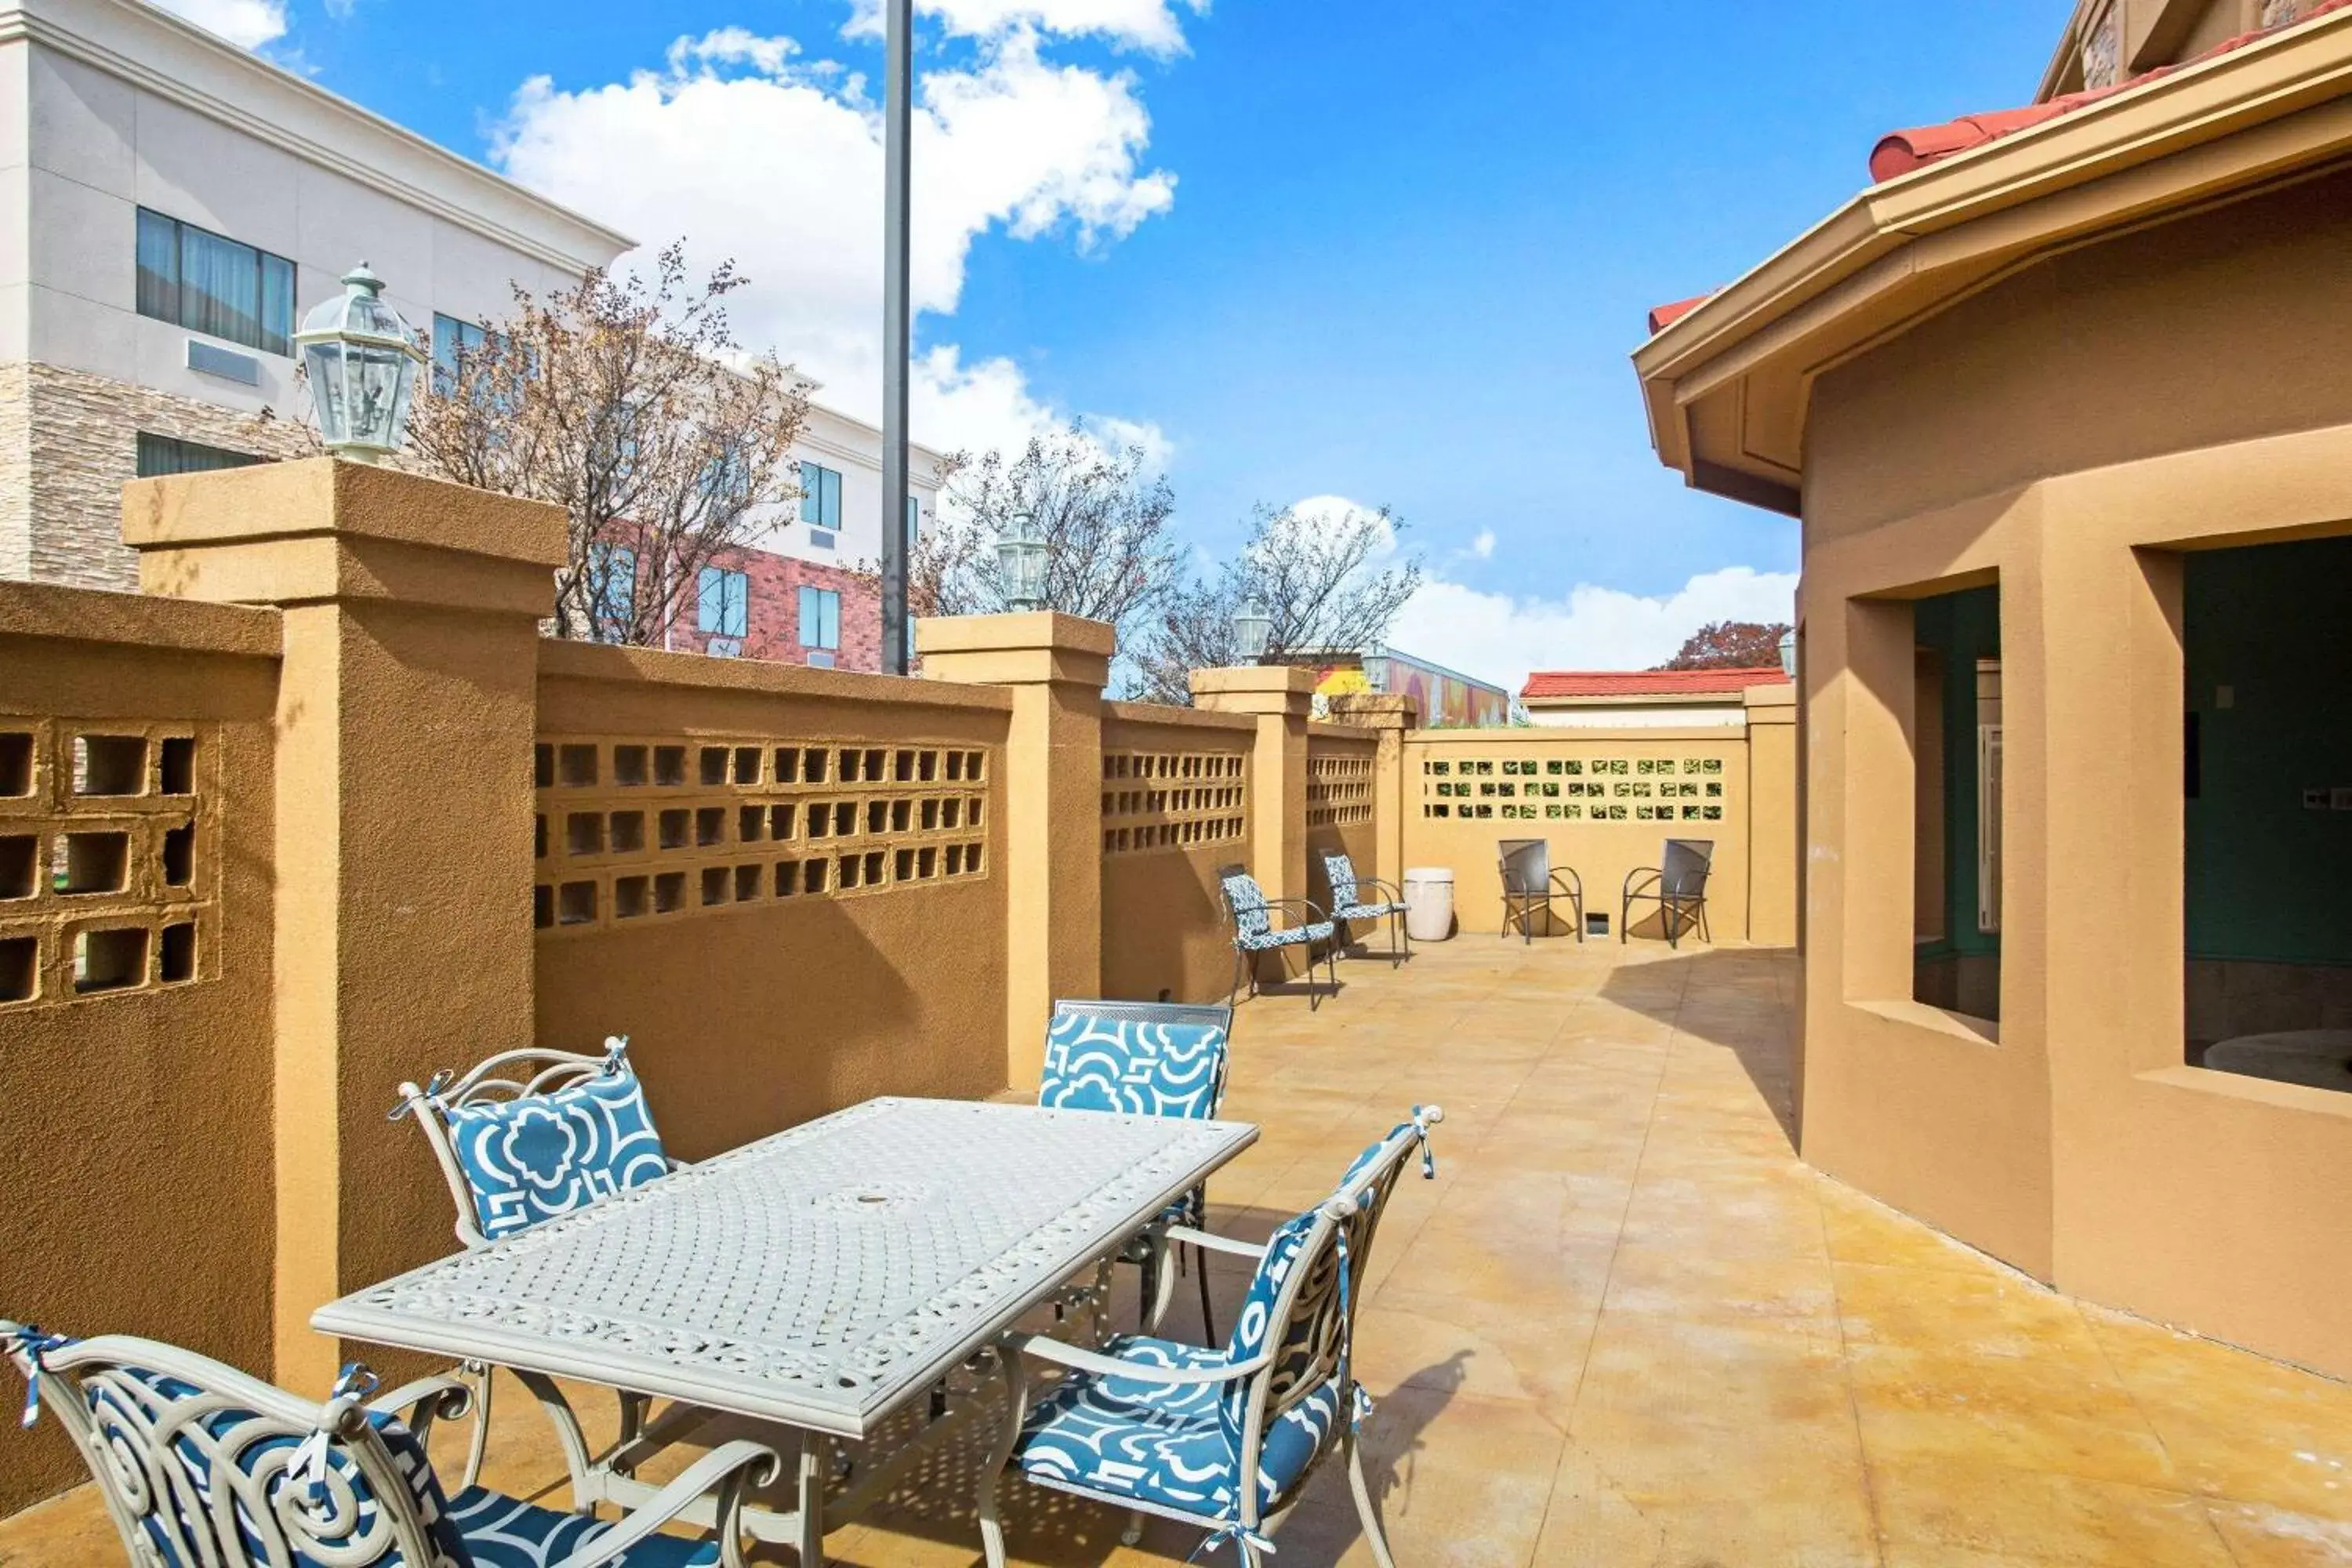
(1397, 253)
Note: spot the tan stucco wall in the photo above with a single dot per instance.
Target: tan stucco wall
(749, 1016)
(1164, 926)
(135, 1125)
(2189, 385)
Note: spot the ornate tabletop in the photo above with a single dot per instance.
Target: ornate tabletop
(816, 1278)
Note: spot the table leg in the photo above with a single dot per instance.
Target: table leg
(817, 1452)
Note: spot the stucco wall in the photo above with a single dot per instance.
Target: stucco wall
(134, 1124)
(1163, 927)
(756, 1012)
(2183, 387)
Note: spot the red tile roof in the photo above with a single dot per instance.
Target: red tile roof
(1649, 682)
(1904, 151)
(1901, 151)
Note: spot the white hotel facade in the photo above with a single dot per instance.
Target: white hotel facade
(171, 205)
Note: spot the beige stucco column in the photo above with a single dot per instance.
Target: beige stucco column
(405, 711)
(1391, 717)
(1279, 698)
(1773, 864)
(1055, 666)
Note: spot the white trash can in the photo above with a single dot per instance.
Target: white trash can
(1429, 903)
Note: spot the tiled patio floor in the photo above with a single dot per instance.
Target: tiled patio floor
(1627, 1327)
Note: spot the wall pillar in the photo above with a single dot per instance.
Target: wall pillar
(1393, 718)
(405, 714)
(1279, 697)
(1055, 667)
(1772, 866)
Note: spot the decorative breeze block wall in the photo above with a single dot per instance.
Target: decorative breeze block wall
(1339, 786)
(631, 829)
(107, 879)
(1172, 800)
(1573, 789)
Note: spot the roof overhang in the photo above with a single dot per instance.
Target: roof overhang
(1728, 385)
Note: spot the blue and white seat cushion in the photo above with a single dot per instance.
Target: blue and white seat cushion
(1339, 870)
(1178, 1445)
(532, 1159)
(1254, 923)
(1132, 1066)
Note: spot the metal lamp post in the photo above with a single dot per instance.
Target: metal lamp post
(1253, 630)
(362, 361)
(1021, 562)
(898, 321)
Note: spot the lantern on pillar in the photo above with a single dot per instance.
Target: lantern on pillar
(361, 359)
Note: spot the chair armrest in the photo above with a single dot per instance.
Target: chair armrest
(1314, 910)
(726, 1464)
(424, 1401)
(1574, 886)
(1191, 1237)
(1652, 872)
(1389, 892)
(1063, 1354)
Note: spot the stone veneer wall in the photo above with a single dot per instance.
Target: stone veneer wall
(79, 433)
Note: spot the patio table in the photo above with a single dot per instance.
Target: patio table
(817, 1280)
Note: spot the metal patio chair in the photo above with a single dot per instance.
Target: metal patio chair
(198, 1463)
(1530, 884)
(1143, 1058)
(1347, 903)
(1252, 914)
(527, 1135)
(1678, 887)
(1224, 1439)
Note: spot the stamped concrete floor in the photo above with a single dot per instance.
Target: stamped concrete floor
(1626, 1328)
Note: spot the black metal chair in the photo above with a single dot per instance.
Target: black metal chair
(1678, 888)
(1530, 884)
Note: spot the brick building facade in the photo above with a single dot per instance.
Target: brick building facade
(772, 612)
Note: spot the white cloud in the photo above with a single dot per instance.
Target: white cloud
(1149, 25)
(247, 23)
(751, 151)
(1483, 547)
(1498, 637)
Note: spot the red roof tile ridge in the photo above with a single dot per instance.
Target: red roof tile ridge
(1647, 682)
(1902, 152)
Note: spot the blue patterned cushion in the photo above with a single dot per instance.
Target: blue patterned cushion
(1259, 941)
(1129, 1065)
(531, 1159)
(1166, 1444)
(1248, 902)
(502, 1532)
(1340, 872)
(1366, 911)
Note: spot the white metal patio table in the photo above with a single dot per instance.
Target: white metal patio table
(817, 1280)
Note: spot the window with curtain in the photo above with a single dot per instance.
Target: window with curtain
(914, 519)
(612, 590)
(451, 339)
(820, 618)
(160, 454)
(723, 603)
(820, 496)
(200, 281)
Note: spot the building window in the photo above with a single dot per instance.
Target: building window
(820, 540)
(612, 590)
(722, 603)
(160, 454)
(452, 339)
(820, 618)
(914, 519)
(195, 279)
(820, 496)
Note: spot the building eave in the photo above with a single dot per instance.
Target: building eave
(1726, 386)
(134, 41)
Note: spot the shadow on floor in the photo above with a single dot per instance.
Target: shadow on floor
(1748, 1012)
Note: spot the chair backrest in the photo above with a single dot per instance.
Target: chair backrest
(202, 1466)
(1527, 865)
(1339, 870)
(1683, 870)
(1295, 1304)
(527, 1135)
(1144, 1059)
(1245, 902)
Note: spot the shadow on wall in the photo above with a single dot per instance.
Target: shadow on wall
(1749, 1011)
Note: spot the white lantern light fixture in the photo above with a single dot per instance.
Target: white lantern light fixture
(1376, 667)
(1253, 630)
(1021, 562)
(1789, 652)
(361, 362)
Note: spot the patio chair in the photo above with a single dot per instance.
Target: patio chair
(198, 1463)
(1678, 888)
(1222, 1439)
(1530, 884)
(526, 1136)
(1143, 1058)
(1347, 903)
(1252, 914)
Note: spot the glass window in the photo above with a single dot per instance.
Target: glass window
(612, 590)
(161, 455)
(820, 496)
(194, 279)
(820, 618)
(722, 603)
(914, 519)
(452, 338)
